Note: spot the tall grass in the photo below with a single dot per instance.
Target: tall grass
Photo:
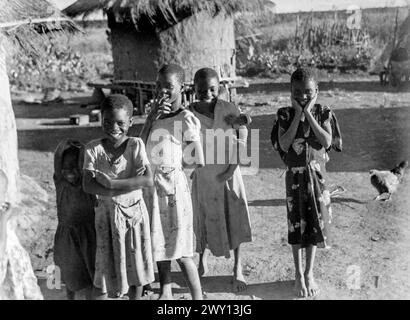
(319, 39)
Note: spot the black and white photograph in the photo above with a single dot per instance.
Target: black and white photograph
(229, 151)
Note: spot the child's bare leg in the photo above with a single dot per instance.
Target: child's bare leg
(239, 283)
(300, 286)
(4, 217)
(135, 292)
(70, 294)
(312, 287)
(191, 275)
(98, 294)
(164, 272)
(203, 263)
(89, 293)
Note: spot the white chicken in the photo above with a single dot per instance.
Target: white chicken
(386, 182)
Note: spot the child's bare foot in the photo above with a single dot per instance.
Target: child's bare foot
(311, 285)
(166, 292)
(166, 297)
(70, 294)
(300, 286)
(239, 282)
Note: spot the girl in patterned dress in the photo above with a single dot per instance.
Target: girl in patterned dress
(116, 168)
(305, 136)
(169, 136)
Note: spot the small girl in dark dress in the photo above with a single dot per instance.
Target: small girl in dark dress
(74, 241)
(304, 136)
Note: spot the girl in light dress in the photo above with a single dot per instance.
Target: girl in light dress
(116, 168)
(221, 212)
(172, 135)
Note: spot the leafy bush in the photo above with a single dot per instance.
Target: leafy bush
(58, 66)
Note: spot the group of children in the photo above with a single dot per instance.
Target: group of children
(124, 202)
(136, 191)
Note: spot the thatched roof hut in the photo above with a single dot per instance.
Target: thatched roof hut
(399, 41)
(148, 33)
(28, 22)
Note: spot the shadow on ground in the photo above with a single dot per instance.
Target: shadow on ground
(50, 110)
(282, 202)
(214, 285)
(372, 138)
(48, 139)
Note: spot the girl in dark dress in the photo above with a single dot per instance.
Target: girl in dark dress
(74, 241)
(305, 136)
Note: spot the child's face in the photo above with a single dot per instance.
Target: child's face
(116, 123)
(304, 91)
(207, 89)
(69, 168)
(168, 85)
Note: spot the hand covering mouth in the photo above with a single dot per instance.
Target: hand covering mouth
(303, 103)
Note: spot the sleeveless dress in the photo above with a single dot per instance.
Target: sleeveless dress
(75, 240)
(123, 257)
(221, 215)
(307, 198)
(171, 205)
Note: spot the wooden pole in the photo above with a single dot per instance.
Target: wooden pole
(30, 21)
(396, 26)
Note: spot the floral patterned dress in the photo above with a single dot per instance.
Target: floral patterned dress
(171, 205)
(124, 256)
(308, 201)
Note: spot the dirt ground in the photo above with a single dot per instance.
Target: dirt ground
(369, 258)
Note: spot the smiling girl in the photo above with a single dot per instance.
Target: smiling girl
(221, 212)
(116, 168)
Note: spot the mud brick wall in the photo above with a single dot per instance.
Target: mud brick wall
(196, 42)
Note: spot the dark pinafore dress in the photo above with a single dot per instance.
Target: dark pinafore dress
(307, 198)
(75, 239)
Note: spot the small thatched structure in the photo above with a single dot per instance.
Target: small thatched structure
(399, 41)
(148, 33)
(27, 23)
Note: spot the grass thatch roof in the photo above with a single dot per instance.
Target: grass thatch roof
(29, 22)
(155, 10)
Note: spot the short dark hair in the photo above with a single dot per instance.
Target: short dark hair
(117, 101)
(173, 69)
(206, 73)
(302, 75)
